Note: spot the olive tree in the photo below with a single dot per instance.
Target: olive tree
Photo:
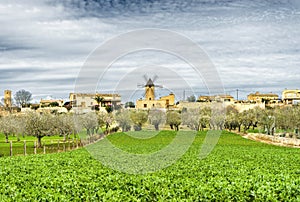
(267, 121)
(156, 117)
(105, 120)
(123, 120)
(173, 120)
(9, 126)
(232, 114)
(217, 120)
(205, 117)
(89, 122)
(139, 118)
(64, 125)
(191, 118)
(39, 125)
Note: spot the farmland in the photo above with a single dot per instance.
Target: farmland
(51, 143)
(237, 170)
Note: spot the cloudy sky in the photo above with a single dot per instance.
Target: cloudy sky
(254, 45)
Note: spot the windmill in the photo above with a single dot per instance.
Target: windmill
(150, 87)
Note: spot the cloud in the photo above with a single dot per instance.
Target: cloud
(253, 44)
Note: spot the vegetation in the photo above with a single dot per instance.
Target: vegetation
(129, 104)
(173, 120)
(267, 121)
(123, 119)
(99, 99)
(139, 118)
(157, 117)
(191, 98)
(237, 170)
(23, 98)
(9, 125)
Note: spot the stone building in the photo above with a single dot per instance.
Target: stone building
(7, 98)
(218, 98)
(262, 97)
(291, 96)
(48, 103)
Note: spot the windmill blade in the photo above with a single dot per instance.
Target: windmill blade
(159, 86)
(145, 77)
(140, 85)
(155, 77)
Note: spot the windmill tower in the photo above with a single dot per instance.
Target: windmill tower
(7, 98)
(149, 88)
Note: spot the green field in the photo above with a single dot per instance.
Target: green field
(237, 170)
(18, 144)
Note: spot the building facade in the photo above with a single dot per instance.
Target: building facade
(87, 100)
(291, 97)
(262, 97)
(49, 103)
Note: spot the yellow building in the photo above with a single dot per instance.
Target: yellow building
(291, 96)
(47, 103)
(150, 102)
(262, 97)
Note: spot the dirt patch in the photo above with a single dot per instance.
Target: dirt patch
(274, 140)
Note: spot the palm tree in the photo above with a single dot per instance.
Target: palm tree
(98, 99)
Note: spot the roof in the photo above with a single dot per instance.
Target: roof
(150, 83)
(49, 101)
(214, 96)
(94, 94)
(263, 94)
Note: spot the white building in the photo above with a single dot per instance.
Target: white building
(87, 100)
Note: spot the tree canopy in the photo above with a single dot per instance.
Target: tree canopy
(23, 98)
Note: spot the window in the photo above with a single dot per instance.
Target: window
(149, 98)
(145, 105)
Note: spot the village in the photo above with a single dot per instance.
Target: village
(87, 102)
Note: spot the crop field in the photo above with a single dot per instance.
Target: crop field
(236, 170)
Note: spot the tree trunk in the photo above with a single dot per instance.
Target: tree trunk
(6, 138)
(156, 126)
(39, 142)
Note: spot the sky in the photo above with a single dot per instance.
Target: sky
(254, 45)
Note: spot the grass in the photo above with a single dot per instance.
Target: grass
(237, 169)
(18, 144)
